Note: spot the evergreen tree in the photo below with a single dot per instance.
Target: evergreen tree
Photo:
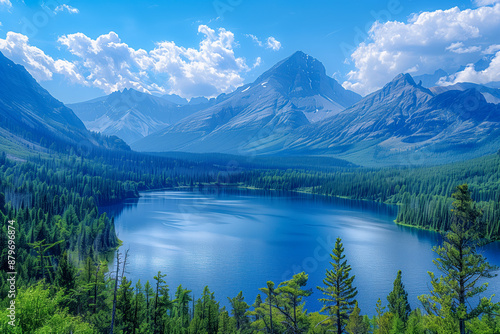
(66, 273)
(356, 324)
(288, 301)
(339, 292)
(461, 265)
(239, 309)
(398, 300)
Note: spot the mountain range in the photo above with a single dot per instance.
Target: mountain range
(296, 109)
(294, 93)
(405, 123)
(292, 109)
(133, 115)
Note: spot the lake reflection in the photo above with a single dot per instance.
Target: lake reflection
(234, 240)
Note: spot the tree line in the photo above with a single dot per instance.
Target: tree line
(90, 299)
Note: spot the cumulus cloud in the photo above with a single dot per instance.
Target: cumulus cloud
(470, 74)
(41, 66)
(67, 8)
(110, 64)
(207, 71)
(5, 3)
(273, 44)
(270, 43)
(426, 42)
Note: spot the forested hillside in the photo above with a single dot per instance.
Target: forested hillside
(63, 242)
(421, 192)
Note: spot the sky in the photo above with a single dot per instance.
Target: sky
(79, 50)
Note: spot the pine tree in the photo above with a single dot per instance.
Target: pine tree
(239, 309)
(288, 301)
(398, 300)
(356, 324)
(339, 292)
(462, 266)
(66, 273)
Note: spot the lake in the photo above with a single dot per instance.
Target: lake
(234, 240)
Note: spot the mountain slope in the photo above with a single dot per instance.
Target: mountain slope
(403, 121)
(431, 80)
(294, 93)
(130, 115)
(492, 95)
(28, 113)
(31, 120)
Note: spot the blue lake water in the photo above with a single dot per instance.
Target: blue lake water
(234, 240)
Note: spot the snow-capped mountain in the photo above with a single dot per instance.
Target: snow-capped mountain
(403, 121)
(129, 114)
(293, 93)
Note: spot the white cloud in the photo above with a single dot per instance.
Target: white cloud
(64, 7)
(109, 64)
(273, 44)
(41, 66)
(5, 3)
(255, 39)
(459, 47)
(426, 42)
(257, 63)
(485, 2)
(492, 49)
(207, 71)
(469, 74)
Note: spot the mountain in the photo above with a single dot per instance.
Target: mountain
(129, 114)
(492, 95)
(405, 123)
(257, 116)
(32, 120)
(175, 99)
(29, 115)
(431, 80)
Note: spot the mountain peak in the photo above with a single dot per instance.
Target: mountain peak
(404, 78)
(297, 64)
(404, 81)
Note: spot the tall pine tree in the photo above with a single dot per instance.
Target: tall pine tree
(453, 294)
(339, 292)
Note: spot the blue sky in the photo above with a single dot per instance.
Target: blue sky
(83, 49)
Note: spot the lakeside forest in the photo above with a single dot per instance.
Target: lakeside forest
(63, 241)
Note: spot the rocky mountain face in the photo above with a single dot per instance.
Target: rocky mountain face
(29, 113)
(294, 93)
(491, 95)
(296, 109)
(131, 115)
(403, 121)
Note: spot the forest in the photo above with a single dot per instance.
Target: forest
(63, 243)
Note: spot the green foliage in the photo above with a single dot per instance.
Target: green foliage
(239, 310)
(62, 238)
(398, 300)
(356, 323)
(462, 266)
(339, 292)
(38, 310)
